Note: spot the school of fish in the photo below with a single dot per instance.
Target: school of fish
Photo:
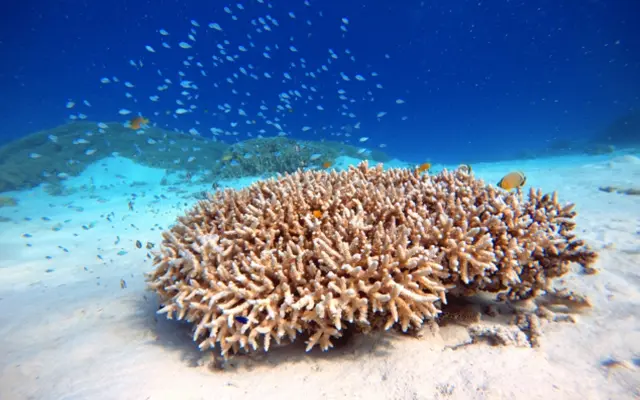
(234, 67)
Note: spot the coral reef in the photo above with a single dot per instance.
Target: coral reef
(59, 154)
(316, 253)
(622, 134)
(265, 156)
(623, 131)
(64, 156)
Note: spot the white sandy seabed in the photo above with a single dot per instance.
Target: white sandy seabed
(70, 330)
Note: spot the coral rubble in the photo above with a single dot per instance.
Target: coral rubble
(314, 253)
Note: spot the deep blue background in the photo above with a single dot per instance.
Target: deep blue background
(481, 79)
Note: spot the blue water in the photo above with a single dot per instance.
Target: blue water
(481, 80)
(511, 88)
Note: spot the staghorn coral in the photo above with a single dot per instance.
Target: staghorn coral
(316, 252)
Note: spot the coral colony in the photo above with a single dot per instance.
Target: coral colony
(313, 253)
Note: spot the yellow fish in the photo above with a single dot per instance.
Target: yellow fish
(513, 180)
(423, 167)
(137, 122)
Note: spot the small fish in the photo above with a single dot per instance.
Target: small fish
(363, 139)
(399, 101)
(315, 156)
(149, 49)
(215, 26)
(512, 180)
(184, 45)
(123, 284)
(163, 32)
(466, 168)
(181, 111)
(241, 319)
(136, 122)
(90, 151)
(138, 244)
(423, 167)
(327, 164)
(70, 104)
(150, 245)
(124, 111)
(34, 155)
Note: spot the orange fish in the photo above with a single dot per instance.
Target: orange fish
(512, 180)
(317, 213)
(327, 164)
(423, 167)
(136, 122)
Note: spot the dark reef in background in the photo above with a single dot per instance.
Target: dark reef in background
(272, 155)
(622, 133)
(156, 148)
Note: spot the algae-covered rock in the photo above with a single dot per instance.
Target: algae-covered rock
(6, 201)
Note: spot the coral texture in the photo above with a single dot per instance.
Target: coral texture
(315, 252)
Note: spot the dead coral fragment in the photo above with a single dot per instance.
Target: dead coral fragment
(500, 335)
(388, 248)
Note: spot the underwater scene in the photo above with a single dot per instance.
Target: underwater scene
(266, 199)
